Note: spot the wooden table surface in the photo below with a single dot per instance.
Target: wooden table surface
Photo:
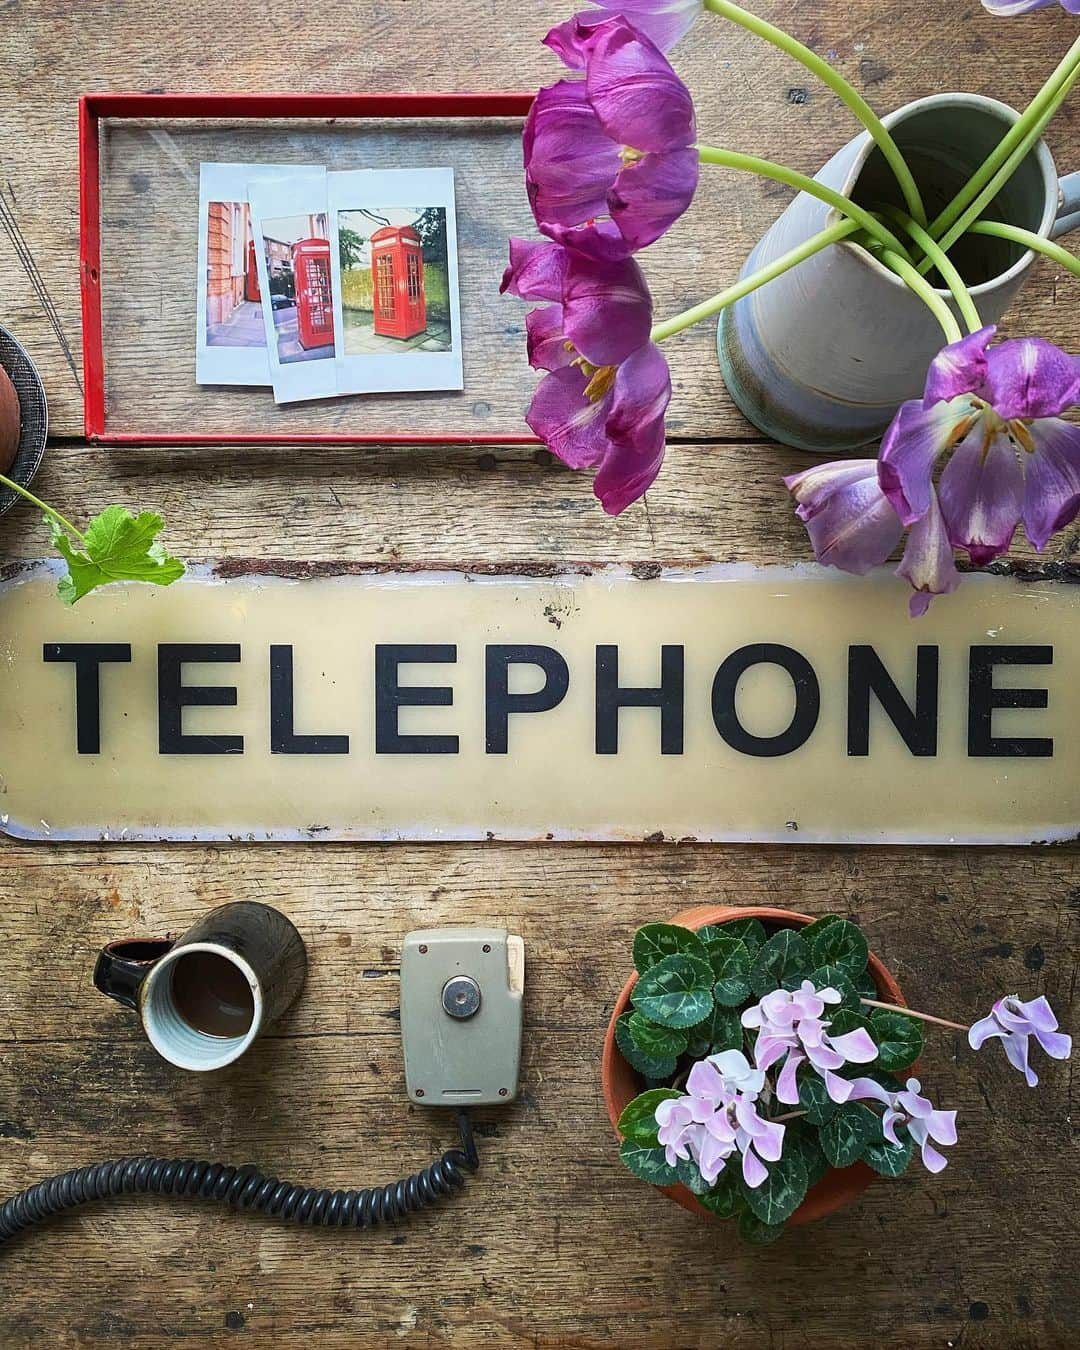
(554, 1243)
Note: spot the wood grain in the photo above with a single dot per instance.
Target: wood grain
(554, 1243)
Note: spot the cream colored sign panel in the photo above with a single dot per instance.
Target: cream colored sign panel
(719, 703)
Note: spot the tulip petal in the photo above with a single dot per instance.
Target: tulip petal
(537, 270)
(1030, 377)
(1052, 480)
(545, 340)
(928, 562)
(909, 450)
(570, 425)
(854, 527)
(1007, 8)
(570, 164)
(959, 368)
(608, 309)
(640, 101)
(981, 494)
(635, 429)
(662, 21)
(601, 240)
(650, 194)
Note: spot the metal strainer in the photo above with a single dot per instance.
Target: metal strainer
(34, 420)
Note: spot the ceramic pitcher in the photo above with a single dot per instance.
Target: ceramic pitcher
(820, 358)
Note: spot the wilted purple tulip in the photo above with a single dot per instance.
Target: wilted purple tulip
(1010, 7)
(603, 400)
(1015, 1022)
(662, 21)
(847, 516)
(923, 1122)
(618, 144)
(996, 409)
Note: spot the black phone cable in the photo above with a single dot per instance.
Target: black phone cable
(244, 1188)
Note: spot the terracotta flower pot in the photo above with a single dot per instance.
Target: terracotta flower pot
(622, 1083)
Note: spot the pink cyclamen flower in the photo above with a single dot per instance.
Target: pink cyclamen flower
(791, 1028)
(923, 1122)
(603, 400)
(1015, 1022)
(1009, 7)
(617, 145)
(717, 1118)
(664, 22)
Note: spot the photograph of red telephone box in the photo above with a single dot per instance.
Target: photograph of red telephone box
(233, 311)
(298, 279)
(395, 286)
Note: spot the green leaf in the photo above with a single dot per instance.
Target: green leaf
(689, 1174)
(832, 977)
(650, 1164)
(654, 941)
(721, 1030)
(899, 1038)
(846, 1019)
(815, 1100)
(810, 932)
(750, 931)
(887, 1159)
(117, 547)
(844, 1138)
(638, 1119)
(866, 986)
(654, 1040)
(758, 1234)
(782, 1191)
(676, 991)
(646, 1065)
(782, 963)
(804, 1139)
(725, 1199)
(731, 966)
(840, 944)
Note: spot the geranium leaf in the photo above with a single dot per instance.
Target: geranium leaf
(815, 1100)
(654, 1040)
(731, 966)
(654, 941)
(721, 1030)
(750, 931)
(758, 1234)
(782, 1191)
(647, 1065)
(650, 1164)
(725, 1199)
(638, 1119)
(844, 1138)
(676, 991)
(781, 963)
(840, 944)
(832, 977)
(117, 546)
(899, 1038)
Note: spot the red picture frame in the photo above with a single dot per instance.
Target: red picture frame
(94, 107)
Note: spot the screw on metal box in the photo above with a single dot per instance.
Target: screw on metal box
(461, 998)
(33, 417)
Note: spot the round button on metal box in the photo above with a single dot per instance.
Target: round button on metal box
(461, 996)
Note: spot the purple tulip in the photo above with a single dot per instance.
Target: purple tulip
(616, 146)
(1015, 1022)
(848, 518)
(603, 400)
(662, 21)
(1007, 8)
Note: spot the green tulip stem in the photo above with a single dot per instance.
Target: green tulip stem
(1029, 239)
(779, 173)
(41, 506)
(836, 82)
(922, 288)
(707, 308)
(944, 264)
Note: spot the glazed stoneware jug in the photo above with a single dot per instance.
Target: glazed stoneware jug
(820, 358)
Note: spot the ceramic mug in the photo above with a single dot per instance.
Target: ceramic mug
(204, 998)
(820, 358)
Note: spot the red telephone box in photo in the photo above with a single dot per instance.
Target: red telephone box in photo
(314, 307)
(251, 275)
(397, 277)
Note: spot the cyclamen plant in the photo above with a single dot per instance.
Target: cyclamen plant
(771, 1059)
(612, 160)
(115, 546)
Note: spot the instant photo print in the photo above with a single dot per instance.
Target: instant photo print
(395, 280)
(293, 251)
